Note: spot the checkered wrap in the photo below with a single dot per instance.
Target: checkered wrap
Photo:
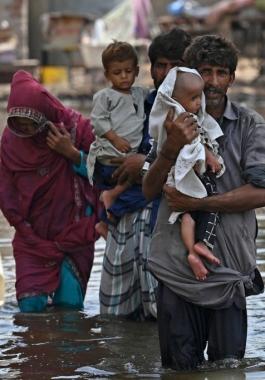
(127, 287)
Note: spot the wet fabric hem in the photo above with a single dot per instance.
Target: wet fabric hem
(76, 273)
(31, 294)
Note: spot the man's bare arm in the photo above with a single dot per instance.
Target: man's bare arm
(243, 198)
(180, 132)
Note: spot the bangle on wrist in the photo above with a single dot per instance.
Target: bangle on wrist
(166, 157)
(81, 157)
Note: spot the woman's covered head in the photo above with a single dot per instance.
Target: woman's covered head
(30, 106)
(26, 125)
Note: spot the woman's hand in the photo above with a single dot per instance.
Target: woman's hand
(60, 141)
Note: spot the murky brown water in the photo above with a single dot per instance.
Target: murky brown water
(64, 344)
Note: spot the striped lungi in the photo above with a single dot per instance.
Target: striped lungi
(127, 288)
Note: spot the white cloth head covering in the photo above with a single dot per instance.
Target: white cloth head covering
(164, 102)
(183, 177)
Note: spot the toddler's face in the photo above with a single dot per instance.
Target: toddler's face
(122, 74)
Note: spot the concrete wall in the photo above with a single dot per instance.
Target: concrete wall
(38, 7)
(15, 12)
(35, 40)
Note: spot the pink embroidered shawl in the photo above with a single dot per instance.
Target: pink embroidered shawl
(42, 197)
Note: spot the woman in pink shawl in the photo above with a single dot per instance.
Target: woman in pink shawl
(53, 209)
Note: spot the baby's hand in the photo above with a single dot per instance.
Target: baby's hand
(212, 162)
(121, 144)
(214, 167)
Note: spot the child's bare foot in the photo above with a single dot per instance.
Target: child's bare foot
(107, 198)
(202, 250)
(197, 266)
(102, 229)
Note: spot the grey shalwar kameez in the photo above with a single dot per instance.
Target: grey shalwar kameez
(243, 150)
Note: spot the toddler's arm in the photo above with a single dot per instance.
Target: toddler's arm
(119, 142)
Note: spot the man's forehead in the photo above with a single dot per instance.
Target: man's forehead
(213, 67)
(164, 60)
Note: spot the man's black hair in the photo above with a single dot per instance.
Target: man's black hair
(170, 45)
(211, 49)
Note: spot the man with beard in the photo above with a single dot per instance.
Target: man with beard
(127, 288)
(192, 313)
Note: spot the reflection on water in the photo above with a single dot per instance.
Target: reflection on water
(64, 344)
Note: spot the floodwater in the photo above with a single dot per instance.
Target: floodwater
(62, 344)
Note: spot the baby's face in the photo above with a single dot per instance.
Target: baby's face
(191, 101)
(190, 95)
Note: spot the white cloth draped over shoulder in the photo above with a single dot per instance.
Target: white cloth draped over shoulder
(182, 176)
